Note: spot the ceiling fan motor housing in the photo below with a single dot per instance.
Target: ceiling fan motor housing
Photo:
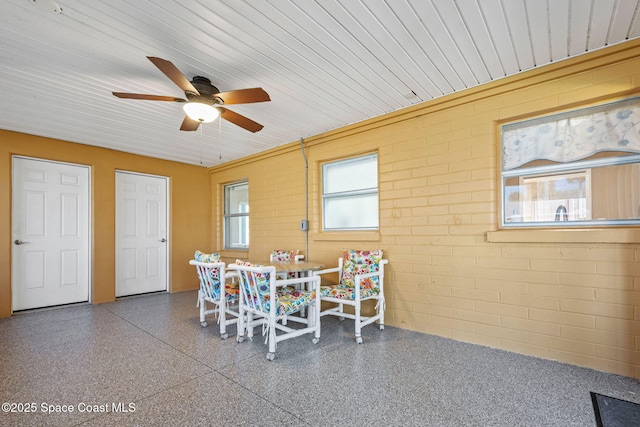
(204, 86)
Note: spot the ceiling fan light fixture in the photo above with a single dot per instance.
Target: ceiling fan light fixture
(203, 113)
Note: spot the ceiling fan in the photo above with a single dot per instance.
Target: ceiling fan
(204, 101)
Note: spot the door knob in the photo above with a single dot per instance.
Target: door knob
(163, 240)
(19, 242)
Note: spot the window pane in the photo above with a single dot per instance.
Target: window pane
(606, 194)
(236, 216)
(350, 194)
(236, 198)
(351, 212)
(237, 232)
(349, 175)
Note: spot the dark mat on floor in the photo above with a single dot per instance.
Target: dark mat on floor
(612, 412)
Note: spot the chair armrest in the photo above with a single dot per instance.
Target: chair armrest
(207, 264)
(230, 274)
(299, 258)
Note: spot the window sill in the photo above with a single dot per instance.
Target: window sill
(598, 235)
(343, 236)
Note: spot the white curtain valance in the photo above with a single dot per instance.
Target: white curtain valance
(573, 136)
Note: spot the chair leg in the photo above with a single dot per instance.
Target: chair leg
(340, 310)
(203, 308)
(272, 339)
(240, 325)
(249, 325)
(314, 313)
(358, 325)
(223, 320)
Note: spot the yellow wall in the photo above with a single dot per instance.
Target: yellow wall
(190, 209)
(567, 296)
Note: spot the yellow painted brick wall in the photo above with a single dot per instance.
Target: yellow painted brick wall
(573, 301)
(189, 212)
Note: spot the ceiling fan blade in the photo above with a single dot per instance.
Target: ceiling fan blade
(147, 97)
(240, 120)
(174, 74)
(243, 96)
(189, 124)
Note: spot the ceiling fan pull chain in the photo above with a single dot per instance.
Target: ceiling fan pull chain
(220, 139)
(202, 143)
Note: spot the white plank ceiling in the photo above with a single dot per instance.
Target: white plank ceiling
(325, 63)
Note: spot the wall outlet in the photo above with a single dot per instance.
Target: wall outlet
(304, 225)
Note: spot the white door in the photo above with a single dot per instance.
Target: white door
(141, 233)
(50, 234)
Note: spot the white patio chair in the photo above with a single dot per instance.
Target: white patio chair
(361, 278)
(279, 255)
(217, 289)
(287, 256)
(266, 300)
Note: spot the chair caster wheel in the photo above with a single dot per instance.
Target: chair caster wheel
(359, 340)
(382, 327)
(224, 336)
(315, 340)
(240, 339)
(271, 356)
(203, 324)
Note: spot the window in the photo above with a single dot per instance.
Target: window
(580, 168)
(350, 194)
(236, 216)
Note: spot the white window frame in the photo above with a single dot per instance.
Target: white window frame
(350, 196)
(242, 216)
(620, 117)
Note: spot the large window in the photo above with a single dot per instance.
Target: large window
(580, 168)
(350, 194)
(236, 215)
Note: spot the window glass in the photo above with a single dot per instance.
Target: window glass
(350, 194)
(351, 175)
(573, 169)
(236, 216)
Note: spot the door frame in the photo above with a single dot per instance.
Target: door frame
(89, 225)
(167, 219)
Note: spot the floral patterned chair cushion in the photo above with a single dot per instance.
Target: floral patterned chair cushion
(289, 300)
(356, 262)
(285, 256)
(202, 257)
(231, 289)
(261, 288)
(281, 255)
(292, 302)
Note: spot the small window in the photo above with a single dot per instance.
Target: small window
(580, 168)
(350, 194)
(236, 216)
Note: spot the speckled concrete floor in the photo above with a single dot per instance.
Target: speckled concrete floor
(146, 361)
